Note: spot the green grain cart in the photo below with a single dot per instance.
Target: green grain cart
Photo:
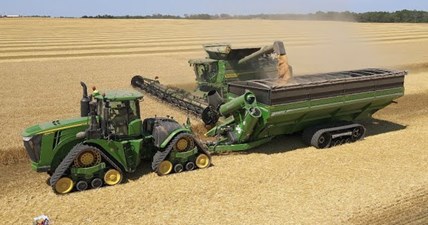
(322, 106)
(108, 140)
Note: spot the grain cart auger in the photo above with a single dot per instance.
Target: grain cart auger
(109, 140)
(222, 65)
(324, 107)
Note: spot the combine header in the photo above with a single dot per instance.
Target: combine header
(177, 97)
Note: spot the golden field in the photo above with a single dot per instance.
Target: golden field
(380, 180)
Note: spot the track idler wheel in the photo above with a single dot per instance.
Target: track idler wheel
(82, 185)
(164, 168)
(64, 185)
(323, 140)
(357, 133)
(178, 168)
(96, 183)
(190, 166)
(202, 161)
(112, 177)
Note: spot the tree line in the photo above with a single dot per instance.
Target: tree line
(403, 16)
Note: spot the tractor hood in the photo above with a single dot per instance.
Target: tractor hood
(55, 125)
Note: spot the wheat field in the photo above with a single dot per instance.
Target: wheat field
(380, 180)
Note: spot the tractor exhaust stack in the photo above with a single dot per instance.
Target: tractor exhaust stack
(84, 103)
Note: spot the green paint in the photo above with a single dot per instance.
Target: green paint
(172, 135)
(55, 125)
(119, 95)
(89, 172)
(293, 117)
(183, 157)
(224, 148)
(134, 127)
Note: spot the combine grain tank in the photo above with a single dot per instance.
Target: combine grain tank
(323, 106)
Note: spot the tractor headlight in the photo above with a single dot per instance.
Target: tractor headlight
(27, 139)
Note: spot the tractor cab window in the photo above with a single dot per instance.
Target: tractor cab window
(206, 71)
(133, 112)
(121, 114)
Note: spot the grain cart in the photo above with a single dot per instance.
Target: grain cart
(322, 106)
(108, 140)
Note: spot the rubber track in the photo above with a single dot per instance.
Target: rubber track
(203, 148)
(309, 132)
(68, 160)
(161, 155)
(314, 139)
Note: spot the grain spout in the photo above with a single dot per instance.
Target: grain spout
(284, 73)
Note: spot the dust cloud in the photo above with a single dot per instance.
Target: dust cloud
(341, 47)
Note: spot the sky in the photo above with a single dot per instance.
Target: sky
(79, 8)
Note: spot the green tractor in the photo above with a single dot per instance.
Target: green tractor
(108, 140)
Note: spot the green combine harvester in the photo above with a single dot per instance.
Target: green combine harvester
(109, 140)
(223, 65)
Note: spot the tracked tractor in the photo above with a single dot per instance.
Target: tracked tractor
(108, 140)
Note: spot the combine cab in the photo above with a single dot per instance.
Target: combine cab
(108, 141)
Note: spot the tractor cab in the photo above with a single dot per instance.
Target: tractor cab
(114, 114)
(119, 112)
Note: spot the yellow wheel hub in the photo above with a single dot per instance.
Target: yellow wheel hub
(87, 158)
(64, 185)
(112, 177)
(202, 161)
(165, 167)
(182, 144)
